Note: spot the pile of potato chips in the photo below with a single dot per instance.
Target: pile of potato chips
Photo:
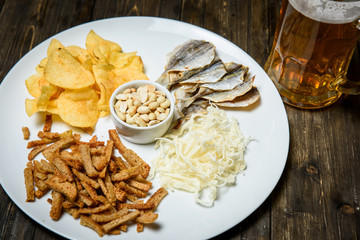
(77, 83)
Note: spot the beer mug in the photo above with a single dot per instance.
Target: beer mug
(313, 45)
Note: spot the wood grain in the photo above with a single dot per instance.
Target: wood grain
(318, 194)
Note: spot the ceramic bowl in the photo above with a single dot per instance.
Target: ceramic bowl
(141, 135)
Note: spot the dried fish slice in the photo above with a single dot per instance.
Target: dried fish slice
(209, 75)
(187, 60)
(230, 80)
(230, 95)
(184, 99)
(243, 101)
(231, 66)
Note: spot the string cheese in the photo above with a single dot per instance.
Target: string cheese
(205, 153)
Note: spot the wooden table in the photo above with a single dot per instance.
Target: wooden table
(318, 196)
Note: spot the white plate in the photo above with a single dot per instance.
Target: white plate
(179, 216)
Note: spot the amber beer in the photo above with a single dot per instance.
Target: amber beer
(311, 53)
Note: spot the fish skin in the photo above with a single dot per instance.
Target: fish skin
(224, 96)
(230, 80)
(213, 73)
(186, 60)
(249, 98)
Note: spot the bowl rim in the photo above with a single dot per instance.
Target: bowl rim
(138, 83)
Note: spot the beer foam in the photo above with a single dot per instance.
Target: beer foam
(328, 11)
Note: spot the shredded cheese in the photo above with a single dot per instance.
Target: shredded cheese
(205, 153)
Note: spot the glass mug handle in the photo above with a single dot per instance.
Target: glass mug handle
(342, 84)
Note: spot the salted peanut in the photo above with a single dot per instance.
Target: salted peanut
(29, 185)
(121, 97)
(88, 222)
(165, 104)
(161, 99)
(152, 116)
(56, 205)
(123, 106)
(129, 119)
(161, 116)
(132, 110)
(127, 91)
(123, 219)
(150, 88)
(129, 102)
(160, 110)
(26, 133)
(137, 103)
(145, 117)
(143, 110)
(153, 122)
(143, 101)
(143, 95)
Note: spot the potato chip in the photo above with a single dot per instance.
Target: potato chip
(78, 107)
(47, 91)
(31, 107)
(124, 75)
(32, 85)
(135, 63)
(100, 48)
(120, 59)
(54, 45)
(106, 87)
(64, 71)
(82, 56)
(41, 66)
(93, 73)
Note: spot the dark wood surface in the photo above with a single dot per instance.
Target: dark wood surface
(318, 195)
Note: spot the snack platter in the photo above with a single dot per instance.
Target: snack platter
(179, 215)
